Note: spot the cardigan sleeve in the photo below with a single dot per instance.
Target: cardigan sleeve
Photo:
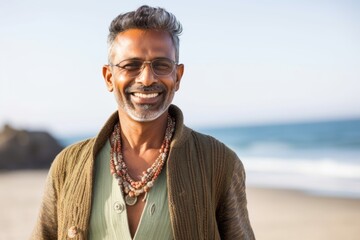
(46, 225)
(233, 219)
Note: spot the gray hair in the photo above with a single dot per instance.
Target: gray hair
(147, 18)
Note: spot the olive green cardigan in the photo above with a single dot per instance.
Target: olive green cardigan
(205, 179)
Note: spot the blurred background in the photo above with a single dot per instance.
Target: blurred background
(278, 81)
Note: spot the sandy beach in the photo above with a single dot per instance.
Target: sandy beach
(275, 214)
(285, 215)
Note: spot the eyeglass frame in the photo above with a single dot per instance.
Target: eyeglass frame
(174, 63)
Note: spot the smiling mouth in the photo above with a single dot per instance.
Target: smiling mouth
(145, 95)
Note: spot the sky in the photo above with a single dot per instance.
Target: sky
(246, 62)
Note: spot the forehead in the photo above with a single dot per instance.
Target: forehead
(144, 44)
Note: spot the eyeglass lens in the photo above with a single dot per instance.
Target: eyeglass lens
(161, 66)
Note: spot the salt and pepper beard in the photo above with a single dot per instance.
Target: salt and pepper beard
(149, 115)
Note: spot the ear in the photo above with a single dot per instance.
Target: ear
(107, 74)
(179, 74)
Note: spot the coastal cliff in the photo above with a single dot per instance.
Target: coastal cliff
(22, 149)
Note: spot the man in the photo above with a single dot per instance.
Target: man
(146, 175)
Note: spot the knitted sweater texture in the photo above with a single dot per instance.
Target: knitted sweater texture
(205, 179)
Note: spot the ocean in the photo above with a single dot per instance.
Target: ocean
(321, 158)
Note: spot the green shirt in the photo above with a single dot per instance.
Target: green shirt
(109, 216)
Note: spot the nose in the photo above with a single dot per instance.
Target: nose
(146, 76)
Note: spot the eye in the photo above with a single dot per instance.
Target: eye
(131, 65)
(162, 64)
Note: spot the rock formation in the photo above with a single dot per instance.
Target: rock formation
(21, 149)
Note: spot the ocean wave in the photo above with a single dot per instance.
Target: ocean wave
(322, 167)
(329, 177)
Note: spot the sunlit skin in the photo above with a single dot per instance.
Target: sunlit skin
(143, 119)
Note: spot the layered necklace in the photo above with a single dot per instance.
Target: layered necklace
(118, 168)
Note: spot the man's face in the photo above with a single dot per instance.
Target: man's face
(147, 96)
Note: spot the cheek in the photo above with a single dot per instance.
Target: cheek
(171, 84)
(120, 84)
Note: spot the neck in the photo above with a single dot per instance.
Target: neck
(142, 136)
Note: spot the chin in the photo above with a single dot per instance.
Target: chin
(146, 115)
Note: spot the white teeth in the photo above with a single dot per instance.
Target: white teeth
(148, 95)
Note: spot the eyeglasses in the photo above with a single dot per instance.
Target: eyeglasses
(159, 66)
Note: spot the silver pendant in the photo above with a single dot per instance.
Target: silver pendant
(130, 200)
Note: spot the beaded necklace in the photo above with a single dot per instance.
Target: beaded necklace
(118, 168)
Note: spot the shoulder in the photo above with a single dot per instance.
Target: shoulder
(219, 152)
(208, 158)
(71, 156)
(205, 150)
(213, 146)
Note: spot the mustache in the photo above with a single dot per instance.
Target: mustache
(143, 88)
